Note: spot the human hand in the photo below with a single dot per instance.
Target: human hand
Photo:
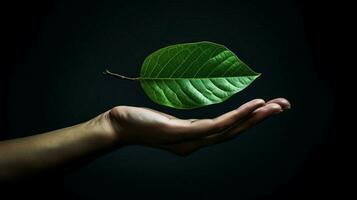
(144, 126)
(125, 125)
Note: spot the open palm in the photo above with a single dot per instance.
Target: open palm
(144, 126)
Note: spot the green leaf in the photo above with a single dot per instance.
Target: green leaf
(193, 75)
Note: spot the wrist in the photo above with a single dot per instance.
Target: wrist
(103, 127)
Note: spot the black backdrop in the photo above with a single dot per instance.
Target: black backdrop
(51, 78)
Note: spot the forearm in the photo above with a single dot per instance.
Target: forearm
(46, 152)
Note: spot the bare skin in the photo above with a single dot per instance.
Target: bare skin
(122, 126)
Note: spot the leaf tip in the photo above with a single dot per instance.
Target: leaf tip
(257, 75)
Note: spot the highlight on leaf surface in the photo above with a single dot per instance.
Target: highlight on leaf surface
(192, 75)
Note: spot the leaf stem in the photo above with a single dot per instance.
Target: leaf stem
(107, 72)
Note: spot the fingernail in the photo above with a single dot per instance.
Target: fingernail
(287, 104)
(277, 107)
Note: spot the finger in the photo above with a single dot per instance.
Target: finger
(204, 127)
(285, 104)
(257, 116)
(243, 111)
(260, 114)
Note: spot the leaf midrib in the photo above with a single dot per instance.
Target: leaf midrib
(196, 78)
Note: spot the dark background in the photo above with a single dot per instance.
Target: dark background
(55, 51)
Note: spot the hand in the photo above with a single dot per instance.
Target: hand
(125, 125)
(144, 126)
